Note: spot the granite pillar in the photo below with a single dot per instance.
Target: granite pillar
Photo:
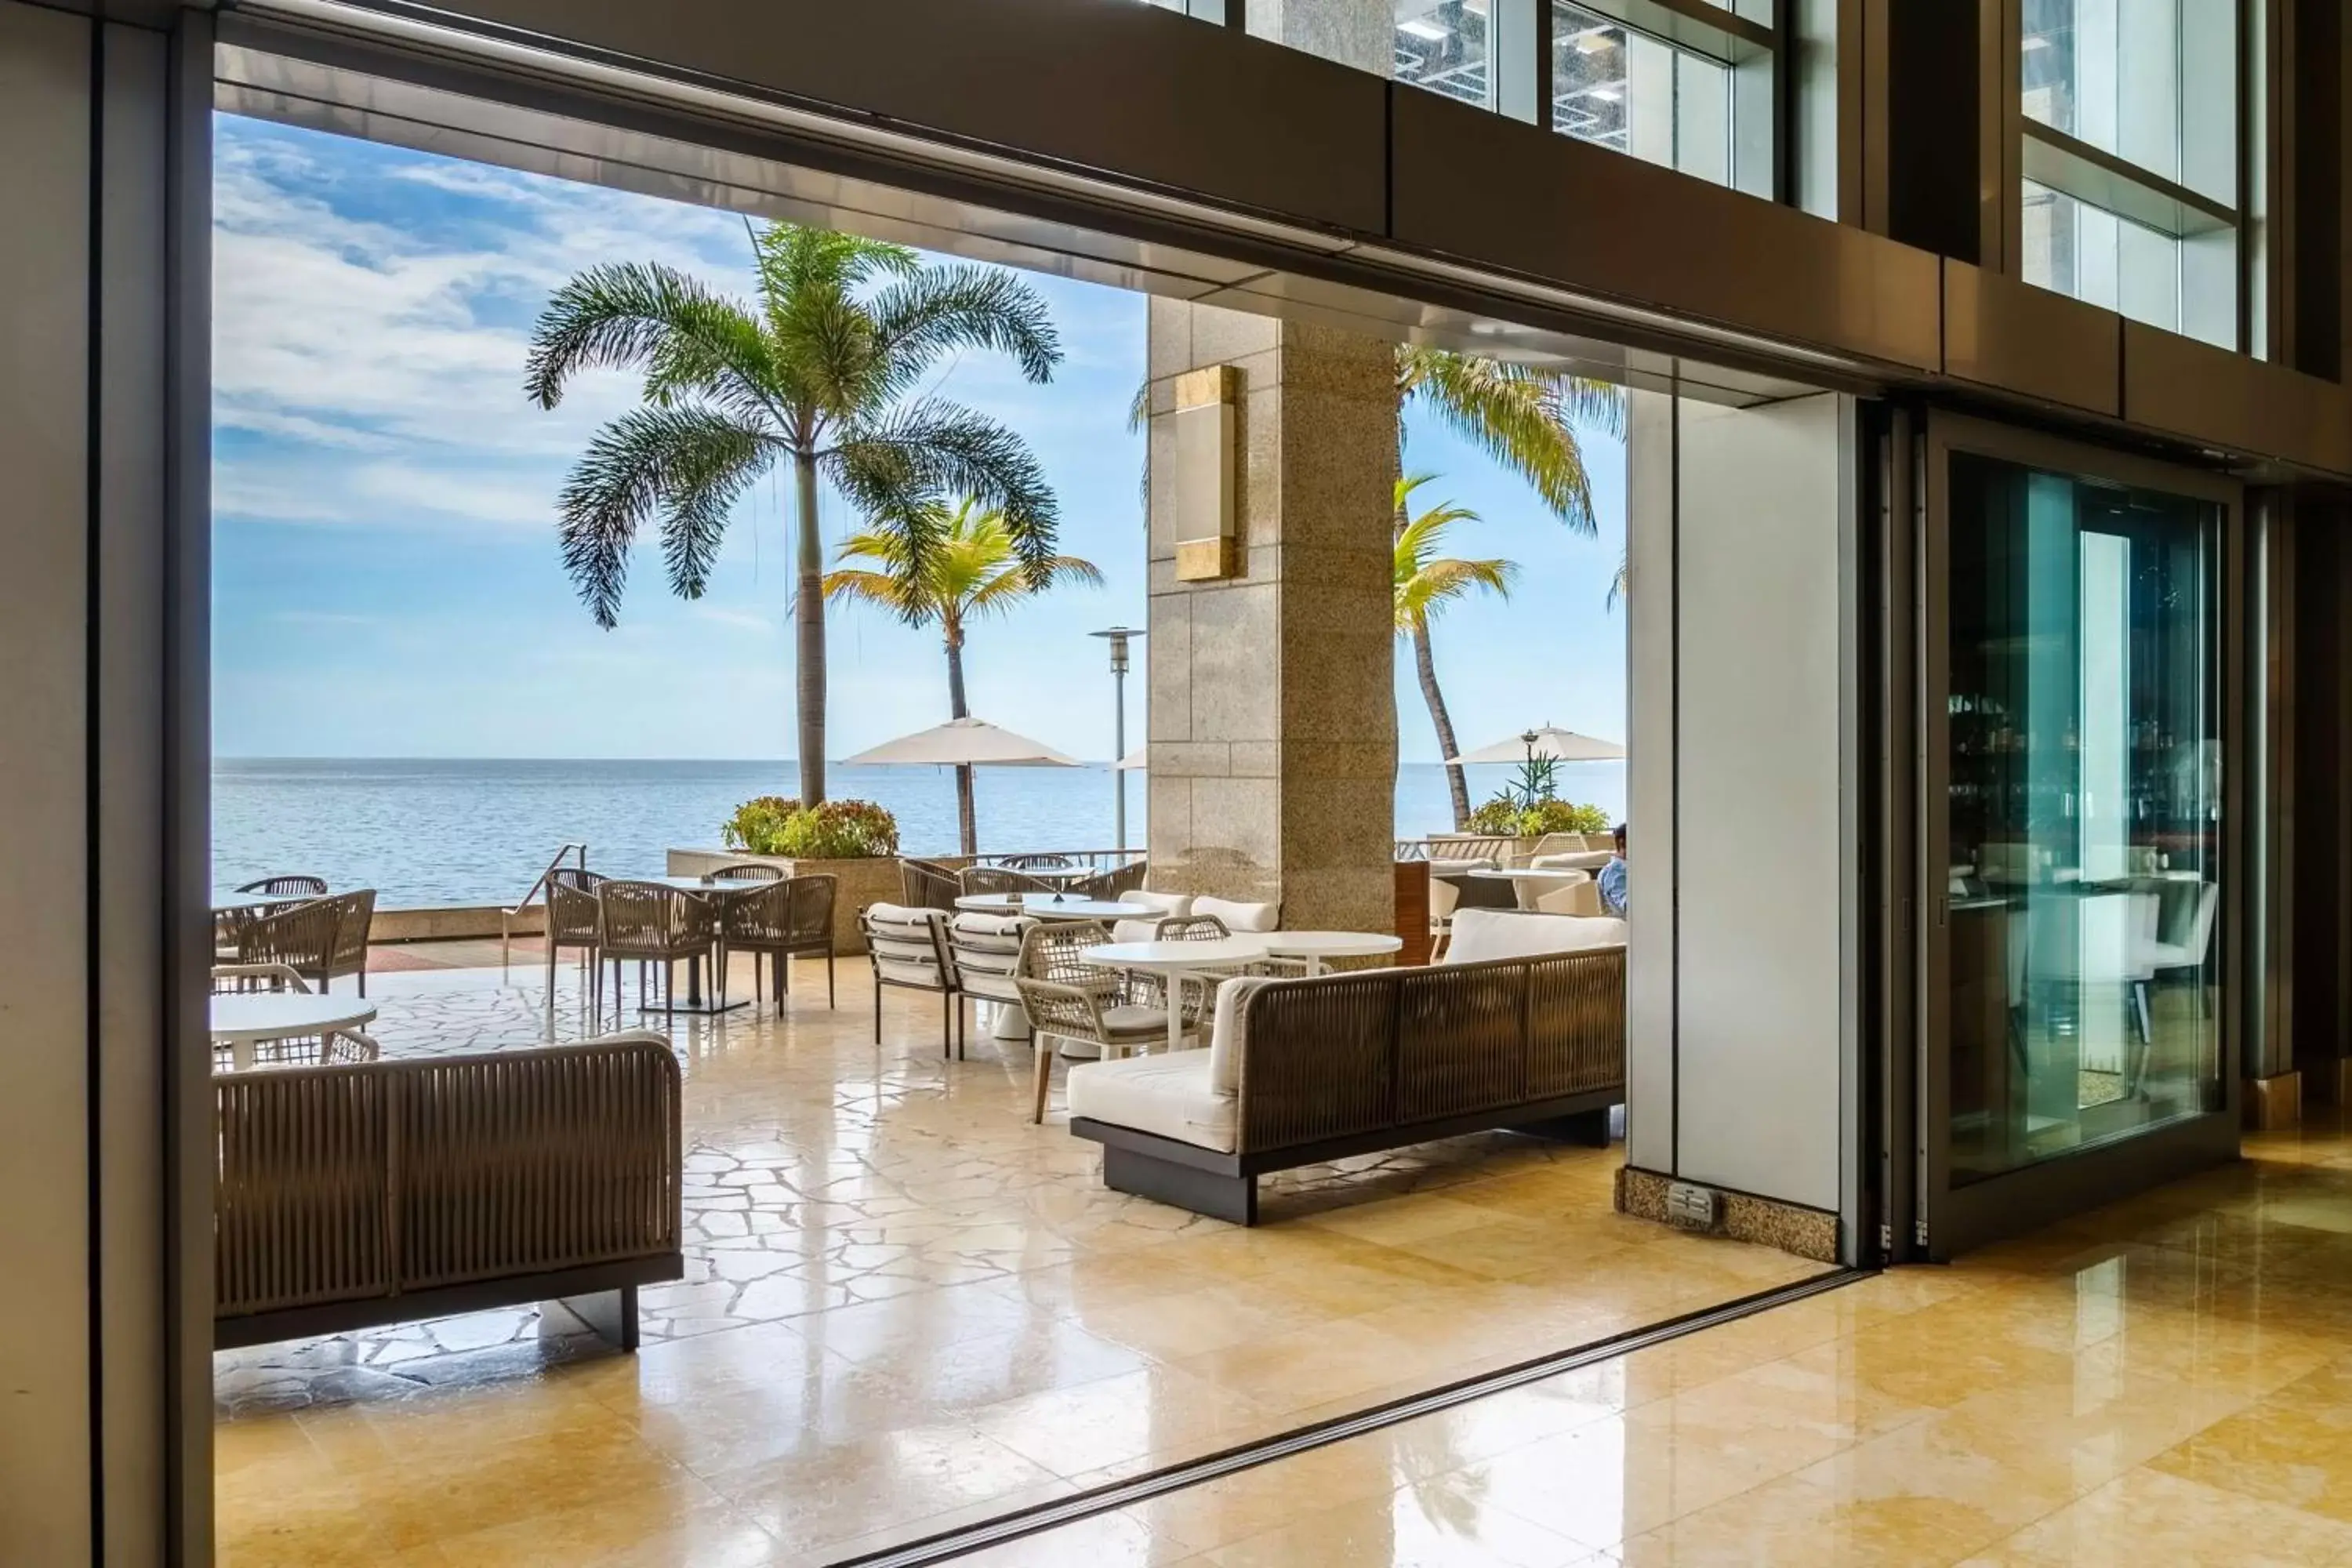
(1273, 710)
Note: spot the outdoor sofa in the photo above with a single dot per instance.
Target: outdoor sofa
(1523, 1026)
(357, 1195)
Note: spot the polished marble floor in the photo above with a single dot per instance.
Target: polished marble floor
(907, 1307)
(2169, 1380)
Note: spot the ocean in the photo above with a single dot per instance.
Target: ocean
(427, 831)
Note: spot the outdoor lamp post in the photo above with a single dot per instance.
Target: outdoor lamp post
(1118, 637)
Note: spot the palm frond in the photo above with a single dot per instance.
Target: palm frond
(1513, 413)
(883, 590)
(1005, 588)
(686, 465)
(631, 316)
(792, 258)
(929, 313)
(933, 447)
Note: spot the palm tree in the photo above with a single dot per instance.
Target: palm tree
(822, 371)
(971, 567)
(1426, 581)
(1524, 417)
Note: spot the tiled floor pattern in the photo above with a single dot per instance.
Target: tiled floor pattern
(908, 1306)
(2166, 1382)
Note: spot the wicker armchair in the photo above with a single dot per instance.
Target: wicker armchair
(1112, 885)
(747, 871)
(779, 918)
(908, 949)
(572, 922)
(928, 885)
(292, 887)
(291, 1050)
(318, 940)
(1069, 999)
(976, 880)
(654, 923)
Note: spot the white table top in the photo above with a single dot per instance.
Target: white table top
(274, 1015)
(1330, 943)
(697, 884)
(1178, 956)
(1050, 873)
(1534, 874)
(1045, 907)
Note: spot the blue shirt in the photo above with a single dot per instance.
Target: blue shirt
(1613, 885)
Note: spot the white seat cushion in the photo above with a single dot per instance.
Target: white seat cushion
(1135, 931)
(1167, 1094)
(1238, 916)
(906, 972)
(1226, 1034)
(1480, 935)
(1126, 1018)
(1169, 905)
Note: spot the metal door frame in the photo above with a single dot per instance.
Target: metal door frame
(1948, 1220)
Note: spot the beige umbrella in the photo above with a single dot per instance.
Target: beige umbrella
(1136, 761)
(1550, 743)
(961, 742)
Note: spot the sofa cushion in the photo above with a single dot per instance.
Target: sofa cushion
(1481, 934)
(906, 972)
(1236, 915)
(1168, 904)
(1226, 1034)
(1167, 1094)
(1135, 931)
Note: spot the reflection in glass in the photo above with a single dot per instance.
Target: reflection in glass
(2152, 82)
(1639, 95)
(2084, 813)
(1445, 46)
(2181, 285)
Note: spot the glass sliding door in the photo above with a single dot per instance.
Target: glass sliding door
(2077, 825)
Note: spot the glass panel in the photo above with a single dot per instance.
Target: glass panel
(2083, 811)
(1444, 45)
(1640, 95)
(2102, 259)
(2152, 82)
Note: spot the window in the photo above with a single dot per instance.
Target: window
(1640, 95)
(1445, 47)
(2128, 114)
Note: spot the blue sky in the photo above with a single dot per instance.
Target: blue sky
(387, 577)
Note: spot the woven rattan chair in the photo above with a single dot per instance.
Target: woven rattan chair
(779, 919)
(928, 885)
(318, 940)
(1069, 999)
(291, 1050)
(908, 949)
(1037, 862)
(747, 871)
(572, 922)
(651, 922)
(1113, 885)
(977, 879)
(292, 887)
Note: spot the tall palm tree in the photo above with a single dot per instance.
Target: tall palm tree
(1426, 581)
(822, 370)
(968, 567)
(1524, 417)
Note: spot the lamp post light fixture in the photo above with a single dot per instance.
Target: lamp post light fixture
(1118, 637)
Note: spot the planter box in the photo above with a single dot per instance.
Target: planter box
(872, 879)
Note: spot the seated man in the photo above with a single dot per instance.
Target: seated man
(1612, 877)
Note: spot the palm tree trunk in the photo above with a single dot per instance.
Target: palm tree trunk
(808, 611)
(967, 818)
(1425, 665)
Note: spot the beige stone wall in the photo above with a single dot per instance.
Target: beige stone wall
(1273, 708)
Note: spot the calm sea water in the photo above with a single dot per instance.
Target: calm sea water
(425, 831)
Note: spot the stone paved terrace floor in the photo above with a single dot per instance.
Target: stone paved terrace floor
(907, 1307)
(2166, 1382)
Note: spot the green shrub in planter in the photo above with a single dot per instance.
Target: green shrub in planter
(757, 826)
(839, 830)
(1505, 814)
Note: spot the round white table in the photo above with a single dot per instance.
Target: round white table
(1174, 960)
(242, 1019)
(1531, 873)
(1315, 946)
(1049, 873)
(1046, 907)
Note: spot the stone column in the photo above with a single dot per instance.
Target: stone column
(1273, 714)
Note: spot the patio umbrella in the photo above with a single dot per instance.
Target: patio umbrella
(1136, 761)
(1550, 743)
(962, 743)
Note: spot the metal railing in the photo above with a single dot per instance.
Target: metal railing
(537, 889)
(1092, 860)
